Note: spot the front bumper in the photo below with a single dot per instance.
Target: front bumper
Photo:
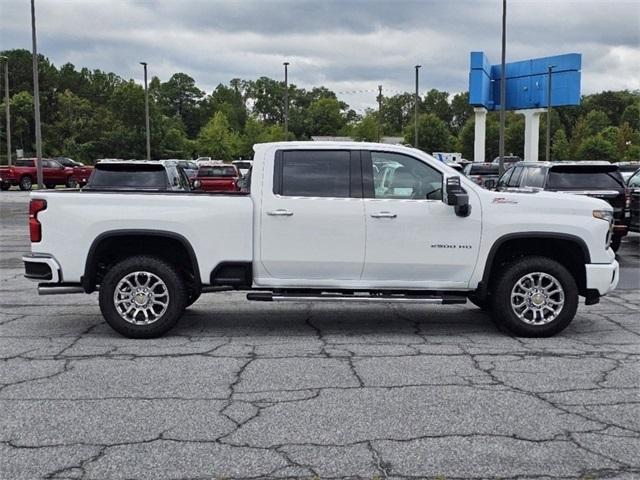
(42, 268)
(603, 277)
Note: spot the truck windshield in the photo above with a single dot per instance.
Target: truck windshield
(578, 178)
(217, 172)
(137, 176)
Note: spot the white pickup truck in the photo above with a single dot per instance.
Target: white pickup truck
(335, 221)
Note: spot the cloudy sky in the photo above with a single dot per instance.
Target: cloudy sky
(347, 45)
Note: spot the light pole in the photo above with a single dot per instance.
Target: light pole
(548, 149)
(286, 101)
(379, 112)
(36, 98)
(7, 107)
(146, 110)
(503, 86)
(417, 99)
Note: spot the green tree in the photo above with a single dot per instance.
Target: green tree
(560, 148)
(398, 112)
(366, 129)
(596, 148)
(217, 140)
(461, 111)
(597, 121)
(437, 102)
(631, 115)
(325, 117)
(433, 134)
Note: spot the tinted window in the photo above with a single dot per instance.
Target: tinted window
(401, 176)
(315, 174)
(534, 177)
(128, 176)
(25, 163)
(577, 178)
(484, 169)
(217, 172)
(514, 181)
(503, 181)
(634, 182)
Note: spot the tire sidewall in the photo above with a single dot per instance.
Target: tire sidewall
(175, 286)
(502, 297)
(71, 182)
(23, 184)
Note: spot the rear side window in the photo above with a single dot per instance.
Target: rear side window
(25, 163)
(514, 181)
(533, 177)
(128, 177)
(307, 173)
(578, 178)
(504, 179)
(487, 169)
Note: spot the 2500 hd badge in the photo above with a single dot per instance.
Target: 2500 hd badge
(447, 245)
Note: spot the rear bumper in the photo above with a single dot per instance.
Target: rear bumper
(42, 268)
(602, 277)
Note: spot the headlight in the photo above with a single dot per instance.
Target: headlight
(606, 215)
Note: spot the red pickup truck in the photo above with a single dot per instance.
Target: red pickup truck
(81, 172)
(217, 178)
(23, 174)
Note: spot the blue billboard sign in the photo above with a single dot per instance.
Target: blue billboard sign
(526, 82)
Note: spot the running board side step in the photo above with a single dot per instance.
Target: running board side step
(446, 299)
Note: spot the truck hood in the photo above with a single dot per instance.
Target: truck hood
(549, 201)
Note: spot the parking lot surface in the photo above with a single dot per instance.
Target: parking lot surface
(244, 390)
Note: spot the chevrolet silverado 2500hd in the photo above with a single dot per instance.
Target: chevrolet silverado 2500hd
(335, 221)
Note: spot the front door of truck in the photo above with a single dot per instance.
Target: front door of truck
(312, 217)
(414, 238)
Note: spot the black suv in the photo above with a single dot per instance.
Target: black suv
(595, 179)
(634, 186)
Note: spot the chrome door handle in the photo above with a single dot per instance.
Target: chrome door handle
(280, 213)
(384, 215)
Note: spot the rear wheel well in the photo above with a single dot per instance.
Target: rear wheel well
(570, 253)
(109, 249)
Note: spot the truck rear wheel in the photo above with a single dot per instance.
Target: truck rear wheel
(25, 183)
(616, 240)
(535, 297)
(142, 297)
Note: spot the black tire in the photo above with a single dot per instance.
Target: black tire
(501, 297)
(616, 240)
(71, 182)
(483, 304)
(166, 273)
(4, 186)
(26, 183)
(50, 185)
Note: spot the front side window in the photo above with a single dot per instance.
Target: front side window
(534, 177)
(514, 181)
(402, 177)
(503, 181)
(313, 173)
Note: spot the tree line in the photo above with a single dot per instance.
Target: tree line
(91, 114)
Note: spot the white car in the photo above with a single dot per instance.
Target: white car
(315, 228)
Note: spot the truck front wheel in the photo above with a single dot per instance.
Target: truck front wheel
(535, 297)
(142, 297)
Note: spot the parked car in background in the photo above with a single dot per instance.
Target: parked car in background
(243, 166)
(190, 167)
(81, 172)
(594, 179)
(138, 175)
(627, 169)
(483, 174)
(23, 173)
(200, 160)
(217, 177)
(634, 204)
(456, 166)
(509, 161)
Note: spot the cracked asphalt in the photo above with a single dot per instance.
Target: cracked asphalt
(258, 390)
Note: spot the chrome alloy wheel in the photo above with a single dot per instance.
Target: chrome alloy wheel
(141, 298)
(537, 298)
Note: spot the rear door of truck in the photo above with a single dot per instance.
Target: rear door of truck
(312, 216)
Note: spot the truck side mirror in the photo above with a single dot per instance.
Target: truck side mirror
(457, 197)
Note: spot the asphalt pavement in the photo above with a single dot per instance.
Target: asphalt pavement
(267, 390)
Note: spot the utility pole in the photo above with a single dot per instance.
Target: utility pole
(146, 110)
(503, 86)
(36, 98)
(379, 112)
(7, 107)
(417, 100)
(548, 149)
(286, 101)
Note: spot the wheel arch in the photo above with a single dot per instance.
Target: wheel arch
(115, 245)
(569, 250)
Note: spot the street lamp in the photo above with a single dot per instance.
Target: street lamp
(7, 107)
(286, 100)
(503, 86)
(379, 112)
(146, 110)
(548, 150)
(36, 98)
(415, 141)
